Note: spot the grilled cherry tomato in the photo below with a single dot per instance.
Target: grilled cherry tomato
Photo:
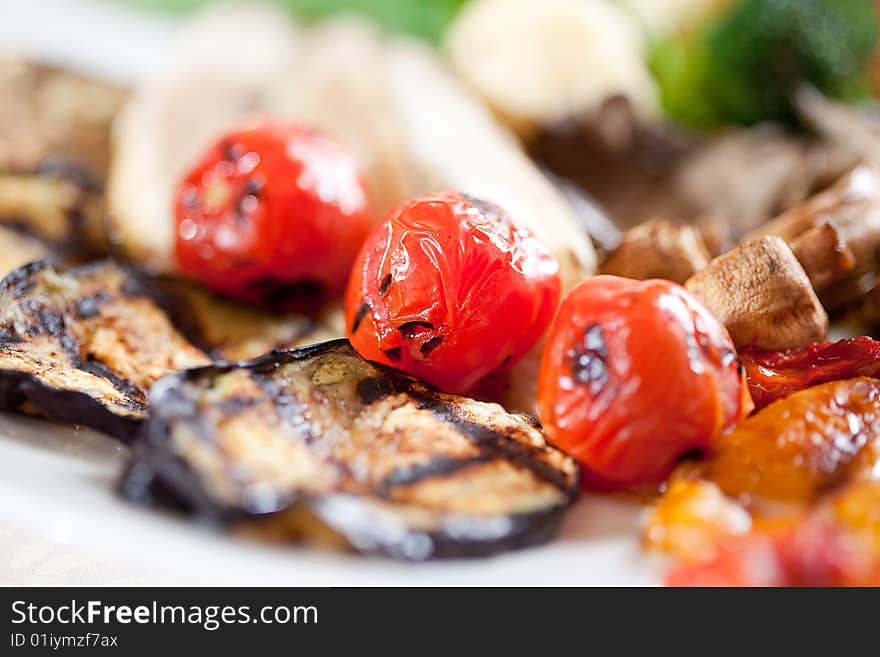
(635, 375)
(449, 289)
(273, 213)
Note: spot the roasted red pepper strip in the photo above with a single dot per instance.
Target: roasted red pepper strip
(775, 374)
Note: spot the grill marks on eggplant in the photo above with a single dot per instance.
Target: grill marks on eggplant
(316, 441)
(319, 438)
(102, 332)
(82, 345)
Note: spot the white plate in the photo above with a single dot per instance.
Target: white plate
(60, 522)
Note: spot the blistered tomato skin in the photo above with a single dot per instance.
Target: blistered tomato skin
(448, 288)
(273, 213)
(635, 375)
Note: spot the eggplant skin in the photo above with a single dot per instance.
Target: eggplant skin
(319, 445)
(84, 344)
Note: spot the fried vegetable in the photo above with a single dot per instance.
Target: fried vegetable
(742, 65)
(806, 469)
(324, 443)
(84, 345)
(857, 507)
(173, 115)
(273, 213)
(425, 284)
(799, 447)
(851, 204)
(775, 374)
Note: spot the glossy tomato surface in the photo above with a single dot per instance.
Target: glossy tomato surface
(450, 289)
(273, 213)
(635, 375)
(773, 375)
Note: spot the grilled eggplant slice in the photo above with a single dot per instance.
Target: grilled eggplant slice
(83, 345)
(54, 146)
(227, 330)
(57, 204)
(324, 443)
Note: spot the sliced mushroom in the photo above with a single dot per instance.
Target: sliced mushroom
(852, 203)
(824, 255)
(622, 160)
(658, 249)
(762, 295)
(716, 233)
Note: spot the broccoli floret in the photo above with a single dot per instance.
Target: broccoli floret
(742, 65)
